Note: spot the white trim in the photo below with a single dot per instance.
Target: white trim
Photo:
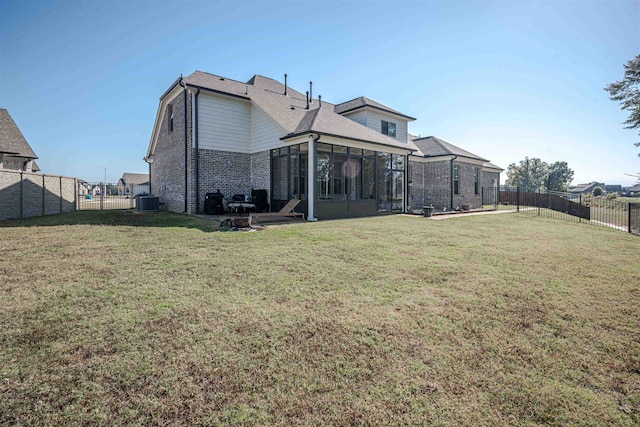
(157, 125)
(325, 139)
(460, 159)
(311, 181)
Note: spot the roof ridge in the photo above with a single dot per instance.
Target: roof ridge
(218, 75)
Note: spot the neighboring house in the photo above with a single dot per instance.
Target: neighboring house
(84, 187)
(613, 188)
(15, 151)
(586, 188)
(350, 159)
(634, 191)
(133, 183)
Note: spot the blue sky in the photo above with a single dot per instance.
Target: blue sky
(502, 79)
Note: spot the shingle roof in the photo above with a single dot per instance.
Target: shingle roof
(290, 112)
(492, 166)
(585, 187)
(135, 178)
(11, 139)
(324, 120)
(430, 146)
(362, 102)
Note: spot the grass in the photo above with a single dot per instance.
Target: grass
(117, 318)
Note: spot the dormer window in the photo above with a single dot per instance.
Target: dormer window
(389, 128)
(170, 118)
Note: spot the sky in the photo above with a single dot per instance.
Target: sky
(502, 79)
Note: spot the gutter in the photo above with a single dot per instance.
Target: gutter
(294, 135)
(195, 118)
(451, 187)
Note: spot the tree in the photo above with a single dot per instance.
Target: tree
(560, 176)
(627, 93)
(529, 173)
(597, 191)
(536, 174)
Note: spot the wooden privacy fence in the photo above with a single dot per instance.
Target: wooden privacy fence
(27, 194)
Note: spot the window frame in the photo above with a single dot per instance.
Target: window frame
(387, 130)
(476, 181)
(456, 179)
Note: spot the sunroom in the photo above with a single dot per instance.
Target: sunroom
(338, 178)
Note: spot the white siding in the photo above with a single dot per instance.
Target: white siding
(374, 121)
(360, 117)
(224, 123)
(265, 134)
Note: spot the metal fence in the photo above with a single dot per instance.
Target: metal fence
(103, 196)
(577, 207)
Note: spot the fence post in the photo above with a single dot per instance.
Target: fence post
(44, 192)
(102, 197)
(538, 202)
(518, 199)
(21, 195)
(629, 215)
(581, 209)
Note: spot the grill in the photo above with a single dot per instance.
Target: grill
(213, 203)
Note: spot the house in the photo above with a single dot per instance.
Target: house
(447, 177)
(354, 158)
(634, 191)
(133, 183)
(617, 188)
(586, 188)
(15, 151)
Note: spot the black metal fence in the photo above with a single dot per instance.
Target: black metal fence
(102, 196)
(577, 207)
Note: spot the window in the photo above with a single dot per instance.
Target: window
(456, 180)
(170, 118)
(389, 128)
(476, 180)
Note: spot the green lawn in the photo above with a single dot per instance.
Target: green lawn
(117, 318)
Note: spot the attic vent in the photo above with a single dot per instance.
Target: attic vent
(221, 78)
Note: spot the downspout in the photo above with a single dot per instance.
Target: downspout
(195, 119)
(186, 194)
(451, 187)
(311, 177)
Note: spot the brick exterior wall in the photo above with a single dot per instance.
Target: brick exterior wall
(488, 177)
(431, 185)
(26, 194)
(167, 169)
(231, 173)
(466, 186)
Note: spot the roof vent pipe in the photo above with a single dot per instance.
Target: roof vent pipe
(319, 101)
(307, 100)
(285, 84)
(311, 92)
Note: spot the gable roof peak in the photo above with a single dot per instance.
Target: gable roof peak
(12, 141)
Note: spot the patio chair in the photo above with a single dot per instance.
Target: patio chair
(287, 211)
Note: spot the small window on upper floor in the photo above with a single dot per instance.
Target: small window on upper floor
(389, 128)
(170, 118)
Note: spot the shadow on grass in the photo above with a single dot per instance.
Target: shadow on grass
(125, 217)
